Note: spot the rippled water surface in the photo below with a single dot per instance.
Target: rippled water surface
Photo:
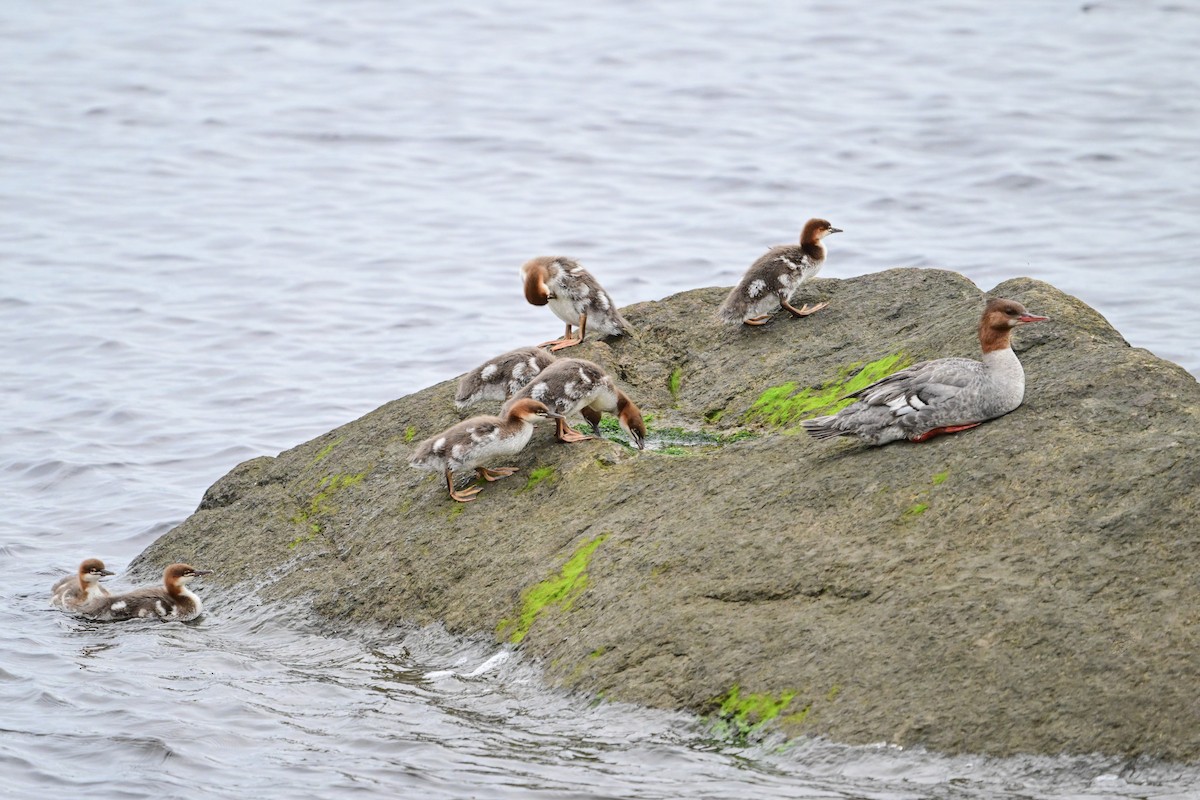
(230, 227)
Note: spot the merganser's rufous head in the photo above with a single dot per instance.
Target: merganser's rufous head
(176, 575)
(92, 571)
(998, 320)
(1001, 313)
(533, 276)
(529, 410)
(630, 417)
(815, 230)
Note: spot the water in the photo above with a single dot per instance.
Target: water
(229, 228)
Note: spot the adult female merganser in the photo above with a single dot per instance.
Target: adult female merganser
(945, 395)
(572, 385)
(773, 279)
(574, 296)
(73, 591)
(503, 376)
(171, 601)
(480, 439)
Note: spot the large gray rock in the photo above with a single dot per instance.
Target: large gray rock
(1027, 586)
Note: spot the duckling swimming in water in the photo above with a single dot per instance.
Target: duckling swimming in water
(773, 279)
(501, 377)
(74, 591)
(480, 439)
(574, 296)
(172, 601)
(571, 385)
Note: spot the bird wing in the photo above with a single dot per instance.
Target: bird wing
(929, 383)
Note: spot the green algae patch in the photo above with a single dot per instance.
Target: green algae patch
(324, 452)
(304, 539)
(782, 406)
(679, 441)
(560, 590)
(321, 504)
(916, 510)
(410, 433)
(674, 382)
(923, 499)
(538, 476)
(740, 716)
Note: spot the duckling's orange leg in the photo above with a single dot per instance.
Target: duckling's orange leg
(565, 433)
(565, 337)
(925, 437)
(466, 495)
(567, 341)
(495, 474)
(803, 311)
(761, 319)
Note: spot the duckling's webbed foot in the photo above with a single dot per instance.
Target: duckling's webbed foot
(804, 310)
(464, 496)
(495, 474)
(565, 433)
(761, 319)
(925, 437)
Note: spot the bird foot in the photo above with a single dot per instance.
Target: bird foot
(761, 319)
(925, 437)
(572, 435)
(465, 495)
(495, 474)
(561, 344)
(806, 310)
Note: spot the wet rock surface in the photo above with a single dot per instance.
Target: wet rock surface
(1027, 586)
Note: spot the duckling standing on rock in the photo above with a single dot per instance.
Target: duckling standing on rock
(479, 439)
(574, 296)
(773, 279)
(74, 591)
(501, 377)
(945, 395)
(172, 601)
(572, 385)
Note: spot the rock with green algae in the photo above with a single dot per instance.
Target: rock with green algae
(1027, 586)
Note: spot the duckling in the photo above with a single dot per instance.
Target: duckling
(773, 279)
(574, 296)
(479, 439)
(572, 385)
(74, 591)
(501, 377)
(172, 601)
